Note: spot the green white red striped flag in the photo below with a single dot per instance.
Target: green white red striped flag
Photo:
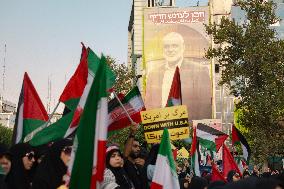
(194, 152)
(31, 113)
(132, 103)
(165, 175)
(87, 159)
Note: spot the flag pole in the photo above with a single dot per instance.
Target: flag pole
(130, 119)
(34, 132)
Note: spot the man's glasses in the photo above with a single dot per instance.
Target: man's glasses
(30, 155)
(67, 150)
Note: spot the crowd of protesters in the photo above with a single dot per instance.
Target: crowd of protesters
(25, 167)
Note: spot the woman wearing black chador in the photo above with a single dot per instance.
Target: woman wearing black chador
(115, 176)
(20, 175)
(50, 171)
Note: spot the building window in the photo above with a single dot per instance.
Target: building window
(217, 68)
(157, 3)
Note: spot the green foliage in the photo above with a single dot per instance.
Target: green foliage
(5, 135)
(122, 135)
(252, 62)
(124, 76)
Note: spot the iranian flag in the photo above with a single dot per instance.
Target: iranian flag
(165, 175)
(132, 103)
(237, 137)
(210, 138)
(194, 153)
(93, 62)
(88, 155)
(175, 97)
(31, 113)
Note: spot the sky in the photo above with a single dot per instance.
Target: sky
(43, 39)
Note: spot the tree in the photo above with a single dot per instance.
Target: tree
(124, 76)
(6, 135)
(252, 62)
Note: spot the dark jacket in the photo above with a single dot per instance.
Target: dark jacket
(19, 177)
(50, 171)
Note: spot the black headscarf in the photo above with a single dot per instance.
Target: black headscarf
(121, 177)
(230, 175)
(153, 154)
(198, 183)
(50, 171)
(19, 177)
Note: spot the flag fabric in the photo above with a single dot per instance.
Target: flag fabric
(237, 137)
(165, 175)
(133, 104)
(90, 141)
(229, 162)
(93, 62)
(241, 164)
(53, 132)
(210, 138)
(194, 153)
(2, 172)
(216, 175)
(75, 87)
(31, 113)
(175, 97)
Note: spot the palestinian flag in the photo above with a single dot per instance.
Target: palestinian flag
(210, 138)
(93, 62)
(229, 162)
(31, 113)
(133, 104)
(175, 97)
(165, 175)
(75, 87)
(194, 153)
(88, 156)
(53, 132)
(237, 137)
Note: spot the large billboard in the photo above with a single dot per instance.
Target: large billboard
(176, 37)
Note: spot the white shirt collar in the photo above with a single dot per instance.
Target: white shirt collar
(178, 64)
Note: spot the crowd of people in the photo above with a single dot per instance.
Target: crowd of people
(26, 167)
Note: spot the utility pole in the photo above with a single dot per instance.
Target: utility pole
(4, 70)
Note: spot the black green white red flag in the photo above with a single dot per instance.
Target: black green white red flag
(75, 86)
(237, 137)
(210, 138)
(93, 62)
(31, 113)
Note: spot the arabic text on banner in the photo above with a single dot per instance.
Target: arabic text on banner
(174, 118)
